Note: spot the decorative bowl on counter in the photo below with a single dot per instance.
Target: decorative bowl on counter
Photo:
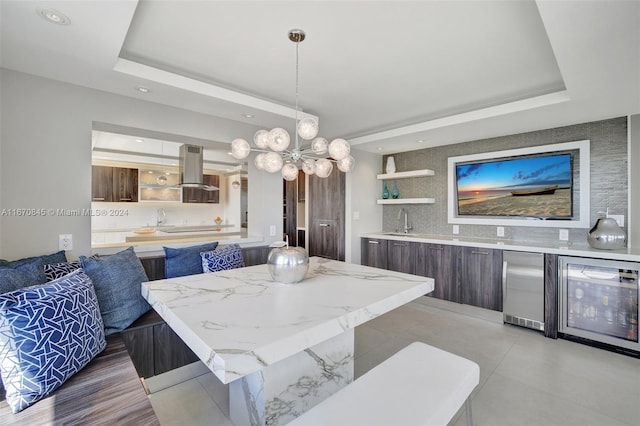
(144, 231)
(286, 264)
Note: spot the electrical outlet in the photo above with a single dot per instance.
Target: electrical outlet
(618, 218)
(456, 229)
(272, 231)
(500, 231)
(563, 235)
(65, 242)
(356, 215)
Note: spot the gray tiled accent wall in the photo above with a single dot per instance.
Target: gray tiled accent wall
(608, 180)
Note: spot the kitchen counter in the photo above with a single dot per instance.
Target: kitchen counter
(110, 241)
(566, 248)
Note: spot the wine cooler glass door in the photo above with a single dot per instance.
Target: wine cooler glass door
(599, 301)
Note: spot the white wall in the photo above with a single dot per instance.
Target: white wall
(46, 157)
(362, 191)
(634, 181)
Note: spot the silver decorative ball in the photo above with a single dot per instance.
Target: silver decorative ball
(288, 264)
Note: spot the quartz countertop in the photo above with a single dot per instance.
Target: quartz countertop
(566, 248)
(240, 321)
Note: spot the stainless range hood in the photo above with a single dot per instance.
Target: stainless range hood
(190, 167)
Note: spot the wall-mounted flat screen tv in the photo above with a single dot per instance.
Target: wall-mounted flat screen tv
(536, 186)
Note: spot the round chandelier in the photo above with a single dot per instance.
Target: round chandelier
(273, 145)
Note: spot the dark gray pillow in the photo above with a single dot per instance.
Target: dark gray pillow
(13, 279)
(34, 266)
(117, 280)
(185, 261)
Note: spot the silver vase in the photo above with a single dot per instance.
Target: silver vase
(288, 265)
(606, 235)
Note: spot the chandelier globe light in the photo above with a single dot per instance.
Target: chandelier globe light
(273, 145)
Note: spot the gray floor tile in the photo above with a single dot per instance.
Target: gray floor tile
(525, 378)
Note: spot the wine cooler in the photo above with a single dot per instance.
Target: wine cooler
(599, 300)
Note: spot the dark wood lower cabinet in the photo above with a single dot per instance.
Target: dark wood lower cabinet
(551, 295)
(468, 275)
(373, 252)
(480, 277)
(440, 262)
(401, 256)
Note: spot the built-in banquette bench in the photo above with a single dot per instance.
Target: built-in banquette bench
(108, 390)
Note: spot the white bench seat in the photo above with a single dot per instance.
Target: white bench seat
(420, 385)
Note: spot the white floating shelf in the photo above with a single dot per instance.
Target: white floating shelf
(405, 175)
(407, 201)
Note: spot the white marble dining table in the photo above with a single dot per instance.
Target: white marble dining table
(281, 348)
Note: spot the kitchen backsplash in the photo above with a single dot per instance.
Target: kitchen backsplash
(142, 214)
(609, 183)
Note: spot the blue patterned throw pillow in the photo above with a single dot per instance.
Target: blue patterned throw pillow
(118, 282)
(186, 260)
(222, 258)
(48, 332)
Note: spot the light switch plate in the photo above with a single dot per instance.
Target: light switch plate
(500, 231)
(456, 229)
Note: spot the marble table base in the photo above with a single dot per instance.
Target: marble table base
(283, 391)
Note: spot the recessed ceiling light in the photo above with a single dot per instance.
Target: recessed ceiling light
(380, 148)
(143, 89)
(248, 115)
(139, 140)
(420, 141)
(53, 16)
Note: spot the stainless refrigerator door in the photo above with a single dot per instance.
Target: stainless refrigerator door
(523, 289)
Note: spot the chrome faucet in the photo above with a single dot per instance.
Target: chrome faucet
(161, 217)
(407, 227)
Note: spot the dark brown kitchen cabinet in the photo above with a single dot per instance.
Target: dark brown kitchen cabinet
(401, 256)
(439, 261)
(101, 183)
(326, 215)
(199, 195)
(480, 277)
(114, 184)
(290, 210)
(125, 185)
(373, 252)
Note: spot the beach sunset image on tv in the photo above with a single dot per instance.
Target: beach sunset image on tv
(535, 186)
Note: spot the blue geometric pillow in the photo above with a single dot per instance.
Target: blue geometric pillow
(48, 333)
(117, 279)
(223, 258)
(185, 261)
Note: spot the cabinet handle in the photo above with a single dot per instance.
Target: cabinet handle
(324, 224)
(436, 248)
(479, 252)
(192, 201)
(125, 199)
(400, 244)
(98, 198)
(374, 242)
